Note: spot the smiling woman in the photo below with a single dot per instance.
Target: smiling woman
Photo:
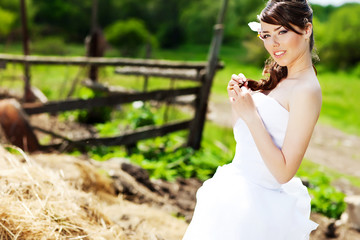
(282, 27)
(256, 196)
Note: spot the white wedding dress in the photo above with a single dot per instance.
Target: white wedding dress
(243, 201)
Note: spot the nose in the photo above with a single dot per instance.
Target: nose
(275, 42)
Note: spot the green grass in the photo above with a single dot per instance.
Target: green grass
(341, 99)
(308, 168)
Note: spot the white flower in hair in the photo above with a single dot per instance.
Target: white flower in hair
(255, 26)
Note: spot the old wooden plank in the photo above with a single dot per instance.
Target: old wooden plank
(181, 74)
(48, 60)
(185, 100)
(114, 99)
(26, 50)
(129, 137)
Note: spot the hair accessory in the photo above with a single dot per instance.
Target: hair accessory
(255, 26)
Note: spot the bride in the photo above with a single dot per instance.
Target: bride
(257, 196)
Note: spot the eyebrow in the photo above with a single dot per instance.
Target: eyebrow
(274, 30)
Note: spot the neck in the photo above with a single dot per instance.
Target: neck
(300, 66)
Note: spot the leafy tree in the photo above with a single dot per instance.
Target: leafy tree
(198, 20)
(68, 18)
(7, 19)
(11, 20)
(339, 41)
(164, 15)
(128, 36)
(238, 15)
(322, 13)
(110, 11)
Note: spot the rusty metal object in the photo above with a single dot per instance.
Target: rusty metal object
(16, 126)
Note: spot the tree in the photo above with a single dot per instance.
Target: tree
(7, 19)
(128, 36)
(10, 18)
(339, 45)
(68, 18)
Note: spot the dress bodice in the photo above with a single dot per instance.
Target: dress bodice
(247, 157)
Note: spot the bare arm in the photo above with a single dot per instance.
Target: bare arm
(304, 111)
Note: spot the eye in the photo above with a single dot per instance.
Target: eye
(264, 36)
(283, 32)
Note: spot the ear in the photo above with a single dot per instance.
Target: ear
(308, 30)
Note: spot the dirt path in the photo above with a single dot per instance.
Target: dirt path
(329, 146)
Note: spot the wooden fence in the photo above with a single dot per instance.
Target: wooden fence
(193, 71)
(201, 72)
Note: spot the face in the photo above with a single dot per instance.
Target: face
(285, 46)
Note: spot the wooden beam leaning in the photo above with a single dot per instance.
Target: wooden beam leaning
(100, 61)
(114, 99)
(197, 126)
(174, 73)
(130, 137)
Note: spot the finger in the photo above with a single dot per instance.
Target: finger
(232, 99)
(234, 83)
(231, 84)
(232, 93)
(238, 79)
(237, 88)
(235, 77)
(244, 89)
(242, 77)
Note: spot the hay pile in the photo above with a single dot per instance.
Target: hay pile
(66, 198)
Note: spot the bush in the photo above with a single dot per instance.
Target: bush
(129, 36)
(325, 198)
(198, 21)
(7, 19)
(338, 38)
(163, 157)
(49, 46)
(95, 114)
(141, 116)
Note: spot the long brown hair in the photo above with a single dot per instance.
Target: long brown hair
(285, 13)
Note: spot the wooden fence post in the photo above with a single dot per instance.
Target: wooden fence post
(197, 125)
(27, 88)
(95, 42)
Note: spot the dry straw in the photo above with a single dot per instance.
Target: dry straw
(52, 196)
(37, 203)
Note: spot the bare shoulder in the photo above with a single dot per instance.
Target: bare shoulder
(307, 93)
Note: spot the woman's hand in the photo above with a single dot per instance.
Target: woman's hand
(239, 80)
(241, 100)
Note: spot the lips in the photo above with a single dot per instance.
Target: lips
(279, 53)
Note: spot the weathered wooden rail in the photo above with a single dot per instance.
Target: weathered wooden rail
(114, 99)
(100, 61)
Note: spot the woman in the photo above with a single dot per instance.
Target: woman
(257, 196)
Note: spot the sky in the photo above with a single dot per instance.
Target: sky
(333, 2)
